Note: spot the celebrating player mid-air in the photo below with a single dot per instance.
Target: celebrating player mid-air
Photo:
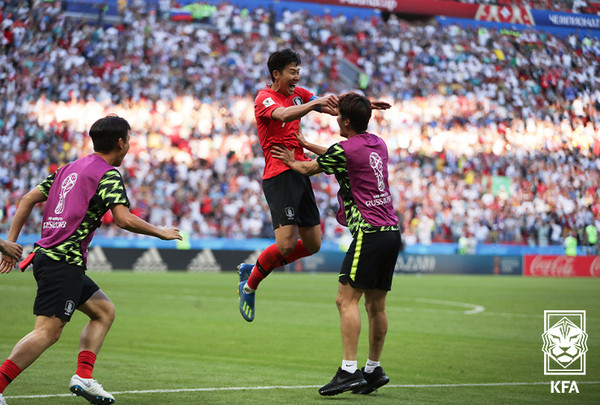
(295, 216)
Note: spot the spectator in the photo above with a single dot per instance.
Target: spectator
(571, 244)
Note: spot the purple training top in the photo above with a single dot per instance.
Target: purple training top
(68, 200)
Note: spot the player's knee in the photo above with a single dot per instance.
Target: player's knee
(50, 335)
(104, 313)
(339, 302)
(110, 314)
(285, 249)
(374, 308)
(314, 247)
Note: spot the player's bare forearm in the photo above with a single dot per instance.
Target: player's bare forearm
(314, 148)
(306, 168)
(287, 157)
(126, 220)
(29, 200)
(295, 112)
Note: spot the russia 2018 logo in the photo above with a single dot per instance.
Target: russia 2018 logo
(565, 342)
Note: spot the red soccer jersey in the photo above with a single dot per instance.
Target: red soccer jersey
(272, 132)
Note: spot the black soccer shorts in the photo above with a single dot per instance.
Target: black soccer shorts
(370, 260)
(62, 287)
(291, 200)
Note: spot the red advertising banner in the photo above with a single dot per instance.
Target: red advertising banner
(561, 266)
(510, 14)
(424, 7)
(505, 14)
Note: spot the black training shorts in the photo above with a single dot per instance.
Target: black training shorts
(291, 200)
(370, 260)
(62, 287)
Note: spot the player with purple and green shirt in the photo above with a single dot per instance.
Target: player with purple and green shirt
(360, 166)
(77, 195)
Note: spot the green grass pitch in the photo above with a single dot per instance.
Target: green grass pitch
(179, 339)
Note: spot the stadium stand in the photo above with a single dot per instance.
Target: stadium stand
(494, 133)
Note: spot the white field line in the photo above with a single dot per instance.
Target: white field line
(473, 308)
(286, 387)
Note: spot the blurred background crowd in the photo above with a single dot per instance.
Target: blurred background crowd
(492, 133)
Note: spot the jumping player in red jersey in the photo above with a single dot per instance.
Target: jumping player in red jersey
(295, 216)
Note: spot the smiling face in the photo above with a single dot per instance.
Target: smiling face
(287, 79)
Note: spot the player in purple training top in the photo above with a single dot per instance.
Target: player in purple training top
(77, 196)
(360, 166)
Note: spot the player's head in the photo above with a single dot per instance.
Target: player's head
(111, 133)
(354, 111)
(280, 60)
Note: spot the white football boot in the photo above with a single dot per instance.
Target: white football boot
(90, 390)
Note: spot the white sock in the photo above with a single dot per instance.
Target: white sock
(371, 366)
(248, 290)
(349, 366)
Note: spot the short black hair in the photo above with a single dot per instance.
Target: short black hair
(279, 60)
(105, 133)
(357, 109)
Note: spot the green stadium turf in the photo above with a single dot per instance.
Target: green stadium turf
(179, 339)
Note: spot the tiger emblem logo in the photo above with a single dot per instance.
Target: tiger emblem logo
(565, 342)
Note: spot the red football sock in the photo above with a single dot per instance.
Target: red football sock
(270, 259)
(299, 252)
(8, 372)
(85, 363)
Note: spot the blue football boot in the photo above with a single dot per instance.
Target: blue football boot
(246, 303)
(244, 270)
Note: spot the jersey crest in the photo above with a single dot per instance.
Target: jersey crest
(267, 102)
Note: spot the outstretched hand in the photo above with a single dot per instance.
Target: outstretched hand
(330, 102)
(283, 153)
(11, 249)
(169, 233)
(380, 105)
(7, 264)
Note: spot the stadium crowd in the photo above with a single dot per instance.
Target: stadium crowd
(492, 133)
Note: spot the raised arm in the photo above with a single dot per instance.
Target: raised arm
(295, 112)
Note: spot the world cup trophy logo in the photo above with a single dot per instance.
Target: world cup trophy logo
(66, 186)
(377, 164)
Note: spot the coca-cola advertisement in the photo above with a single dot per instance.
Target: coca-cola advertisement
(561, 266)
